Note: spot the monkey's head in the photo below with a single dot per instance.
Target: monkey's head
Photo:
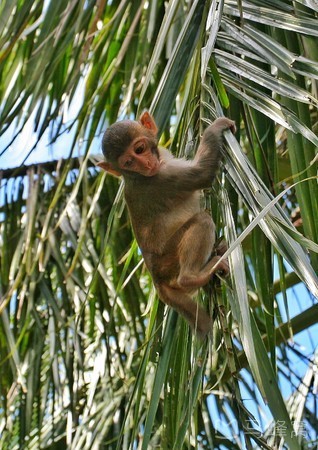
(130, 147)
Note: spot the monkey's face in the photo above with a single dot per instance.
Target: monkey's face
(140, 158)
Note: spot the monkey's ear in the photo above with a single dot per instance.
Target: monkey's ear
(148, 122)
(108, 168)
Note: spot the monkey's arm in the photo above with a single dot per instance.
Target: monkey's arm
(199, 173)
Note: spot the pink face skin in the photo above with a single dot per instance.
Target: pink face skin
(139, 158)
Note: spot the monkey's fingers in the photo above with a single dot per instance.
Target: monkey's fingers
(223, 123)
(233, 127)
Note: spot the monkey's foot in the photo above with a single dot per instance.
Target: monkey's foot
(222, 267)
(221, 247)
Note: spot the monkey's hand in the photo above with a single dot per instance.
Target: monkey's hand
(223, 123)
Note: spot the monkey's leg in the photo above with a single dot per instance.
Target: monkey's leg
(195, 249)
(179, 300)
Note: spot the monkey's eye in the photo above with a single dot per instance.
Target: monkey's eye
(139, 149)
(128, 163)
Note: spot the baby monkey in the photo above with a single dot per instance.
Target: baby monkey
(176, 238)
